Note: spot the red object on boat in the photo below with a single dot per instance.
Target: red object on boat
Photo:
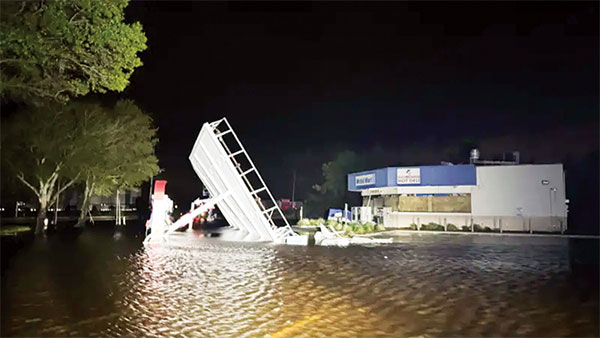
(159, 189)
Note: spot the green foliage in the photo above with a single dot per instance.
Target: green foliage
(313, 222)
(304, 222)
(335, 173)
(119, 150)
(121, 154)
(379, 227)
(331, 222)
(479, 228)
(432, 227)
(54, 50)
(357, 228)
(333, 192)
(348, 230)
(42, 148)
(413, 226)
(476, 228)
(50, 148)
(317, 221)
(40, 144)
(452, 227)
(13, 230)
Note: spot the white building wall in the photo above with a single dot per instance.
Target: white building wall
(535, 192)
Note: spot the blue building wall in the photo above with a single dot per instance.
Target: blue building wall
(380, 179)
(434, 175)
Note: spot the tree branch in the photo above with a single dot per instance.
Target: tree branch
(74, 15)
(21, 177)
(63, 188)
(21, 9)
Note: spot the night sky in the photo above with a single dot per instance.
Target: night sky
(300, 82)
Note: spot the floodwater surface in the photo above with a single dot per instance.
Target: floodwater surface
(105, 283)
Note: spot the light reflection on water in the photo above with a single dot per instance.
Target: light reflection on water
(438, 286)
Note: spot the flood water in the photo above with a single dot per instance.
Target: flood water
(106, 284)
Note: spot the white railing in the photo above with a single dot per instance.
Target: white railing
(238, 149)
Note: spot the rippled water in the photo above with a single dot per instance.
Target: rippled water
(102, 284)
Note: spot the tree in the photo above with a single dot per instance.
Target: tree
(39, 148)
(333, 192)
(123, 152)
(54, 50)
(49, 149)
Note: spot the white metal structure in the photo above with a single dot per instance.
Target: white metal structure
(223, 165)
(160, 214)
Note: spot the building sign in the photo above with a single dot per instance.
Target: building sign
(367, 179)
(409, 175)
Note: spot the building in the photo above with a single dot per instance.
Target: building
(126, 198)
(502, 197)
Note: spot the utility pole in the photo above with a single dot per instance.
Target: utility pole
(294, 188)
(150, 191)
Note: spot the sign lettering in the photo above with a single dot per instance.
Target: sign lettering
(409, 175)
(364, 180)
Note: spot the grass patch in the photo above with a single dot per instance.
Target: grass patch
(13, 230)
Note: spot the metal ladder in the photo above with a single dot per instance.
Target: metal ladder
(279, 232)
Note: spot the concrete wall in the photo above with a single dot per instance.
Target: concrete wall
(519, 190)
(405, 219)
(507, 223)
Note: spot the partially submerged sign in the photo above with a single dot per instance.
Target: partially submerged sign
(224, 167)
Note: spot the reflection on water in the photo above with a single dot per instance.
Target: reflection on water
(102, 285)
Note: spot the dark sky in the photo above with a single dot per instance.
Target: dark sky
(301, 81)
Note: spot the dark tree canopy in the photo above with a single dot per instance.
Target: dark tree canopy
(55, 50)
(50, 148)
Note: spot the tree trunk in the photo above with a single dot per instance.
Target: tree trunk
(82, 214)
(41, 216)
(84, 205)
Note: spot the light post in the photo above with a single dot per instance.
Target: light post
(19, 203)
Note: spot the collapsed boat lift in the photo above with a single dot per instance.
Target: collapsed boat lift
(235, 186)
